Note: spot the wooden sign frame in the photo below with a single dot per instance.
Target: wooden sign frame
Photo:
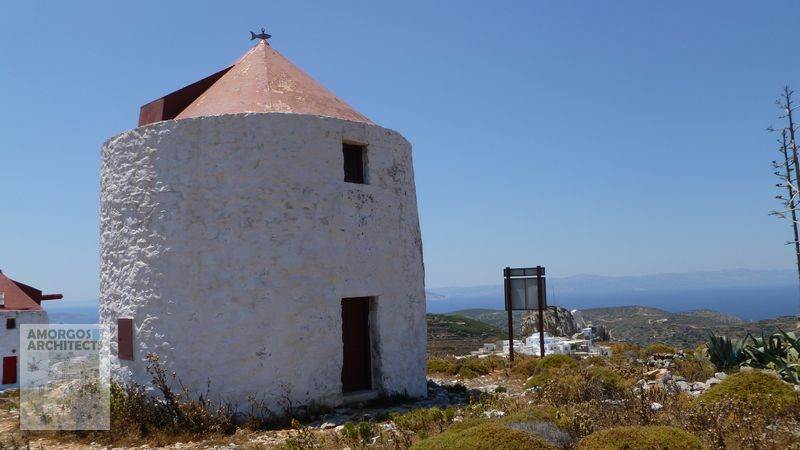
(525, 275)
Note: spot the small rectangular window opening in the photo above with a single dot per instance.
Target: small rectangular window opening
(125, 339)
(11, 323)
(353, 163)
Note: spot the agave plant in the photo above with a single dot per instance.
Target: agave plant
(779, 352)
(724, 353)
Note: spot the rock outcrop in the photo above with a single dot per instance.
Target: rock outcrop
(558, 321)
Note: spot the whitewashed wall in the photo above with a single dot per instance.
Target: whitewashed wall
(231, 240)
(9, 339)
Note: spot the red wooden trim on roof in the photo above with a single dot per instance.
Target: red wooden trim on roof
(170, 105)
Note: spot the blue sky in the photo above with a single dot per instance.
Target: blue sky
(604, 137)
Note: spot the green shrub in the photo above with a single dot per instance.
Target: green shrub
(595, 361)
(567, 385)
(694, 369)
(532, 366)
(442, 365)
(607, 380)
(556, 361)
(658, 348)
(622, 351)
(488, 435)
(469, 367)
(466, 372)
(423, 420)
(534, 414)
(538, 380)
(757, 390)
(483, 365)
(525, 365)
(350, 431)
(640, 437)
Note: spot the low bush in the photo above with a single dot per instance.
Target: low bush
(694, 369)
(532, 366)
(755, 389)
(605, 381)
(525, 365)
(488, 435)
(424, 420)
(538, 380)
(556, 361)
(568, 385)
(482, 366)
(624, 351)
(469, 367)
(640, 437)
(658, 348)
(595, 361)
(302, 438)
(442, 365)
(9, 399)
(467, 373)
(534, 414)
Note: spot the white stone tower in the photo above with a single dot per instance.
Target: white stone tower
(258, 233)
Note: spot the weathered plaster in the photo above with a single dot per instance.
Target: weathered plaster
(231, 240)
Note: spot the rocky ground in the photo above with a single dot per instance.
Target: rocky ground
(443, 392)
(662, 376)
(578, 399)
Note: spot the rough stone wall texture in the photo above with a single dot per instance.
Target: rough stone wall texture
(9, 339)
(231, 240)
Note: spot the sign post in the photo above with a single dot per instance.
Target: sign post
(510, 310)
(519, 285)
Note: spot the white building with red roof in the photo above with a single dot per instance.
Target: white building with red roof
(261, 235)
(19, 304)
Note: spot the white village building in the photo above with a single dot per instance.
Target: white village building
(260, 234)
(19, 304)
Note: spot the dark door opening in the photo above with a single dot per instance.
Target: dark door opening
(9, 369)
(357, 367)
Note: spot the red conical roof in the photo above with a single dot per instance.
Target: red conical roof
(263, 80)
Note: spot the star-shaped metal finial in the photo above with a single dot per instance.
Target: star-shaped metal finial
(263, 35)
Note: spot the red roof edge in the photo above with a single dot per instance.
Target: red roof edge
(170, 105)
(21, 297)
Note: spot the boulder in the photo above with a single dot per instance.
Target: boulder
(558, 321)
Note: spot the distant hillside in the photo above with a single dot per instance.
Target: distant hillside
(644, 325)
(494, 317)
(749, 294)
(454, 334)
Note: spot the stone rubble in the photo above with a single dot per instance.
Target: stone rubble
(665, 380)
